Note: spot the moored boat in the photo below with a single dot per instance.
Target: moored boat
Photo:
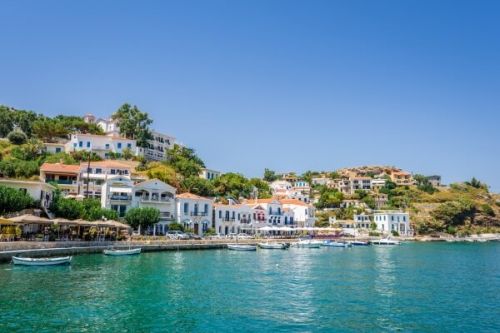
(385, 241)
(126, 252)
(273, 246)
(307, 243)
(241, 247)
(330, 243)
(41, 261)
(359, 243)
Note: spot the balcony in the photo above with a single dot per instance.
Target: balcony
(198, 214)
(117, 197)
(228, 219)
(61, 181)
(154, 199)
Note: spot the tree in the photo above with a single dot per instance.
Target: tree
(263, 189)
(197, 185)
(92, 211)
(270, 175)
(232, 184)
(454, 212)
(476, 183)
(67, 208)
(17, 137)
(329, 198)
(13, 200)
(127, 154)
(48, 130)
(423, 184)
(133, 124)
(61, 157)
(184, 161)
(142, 217)
(163, 172)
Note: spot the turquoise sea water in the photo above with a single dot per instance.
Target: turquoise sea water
(412, 287)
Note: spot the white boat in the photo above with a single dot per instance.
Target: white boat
(273, 246)
(241, 247)
(42, 261)
(127, 252)
(307, 243)
(330, 243)
(386, 241)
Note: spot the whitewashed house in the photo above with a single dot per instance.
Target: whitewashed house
(102, 145)
(98, 173)
(156, 194)
(117, 194)
(232, 218)
(65, 176)
(210, 174)
(194, 211)
(303, 213)
(388, 221)
(38, 191)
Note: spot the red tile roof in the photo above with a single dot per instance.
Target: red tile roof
(60, 168)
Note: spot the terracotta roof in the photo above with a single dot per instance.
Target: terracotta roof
(60, 167)
(293, 202)
(188, 195)
(112, 137)
(259, 201)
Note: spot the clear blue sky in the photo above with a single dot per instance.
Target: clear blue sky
(288, 85)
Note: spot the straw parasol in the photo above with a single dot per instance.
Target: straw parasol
(29, 219)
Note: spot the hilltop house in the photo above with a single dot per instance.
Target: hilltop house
(65, 176)
(102, 145)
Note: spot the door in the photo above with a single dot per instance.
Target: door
(196, 229)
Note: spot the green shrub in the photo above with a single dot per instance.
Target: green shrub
(142, 217)
(176, 226)
(67, 208)
(395, 233)
(486, 209)
(13, 200)
(374, 233)
(17, 137)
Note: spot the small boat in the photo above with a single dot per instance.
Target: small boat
(127, 252)
(42, 261)
(307, 243)
(386, 241)
(359, 243)
(241, 247)
(273, 246)
(331, 243)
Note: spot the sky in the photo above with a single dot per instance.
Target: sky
(280, 84)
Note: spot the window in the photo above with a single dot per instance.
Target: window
(107, 146)
(113, 171)
(206, 208)
(129, 145)
(74, 145)
(98, 170)
(239, 216)
(58, 150)
(186, 207)
(80, 144)
(88, 144)
(119, 145)
(220, 214)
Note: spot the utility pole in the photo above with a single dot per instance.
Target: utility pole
(88, 174)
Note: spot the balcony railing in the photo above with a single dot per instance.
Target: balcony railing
(198, 214)
(121, 197)
(61, 181)
(228, 219)
(154, 199)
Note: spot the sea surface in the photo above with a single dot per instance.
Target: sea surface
(414, 287)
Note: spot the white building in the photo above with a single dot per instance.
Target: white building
(209, 174)
(38, 191)
(157, 146)
(102, 145)
(232, 218)
(54, 148)
(117, 194)
(270, 212)
(194, 212)
(389, 221)
(156, 194)
(65, 176)
(98, 173)
(303, 213)
(321, 181)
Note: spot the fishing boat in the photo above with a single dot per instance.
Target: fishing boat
(386, 241)
(331, 243)
(307, 243)
(359, 243)
(241, 247)
(127, 252)
(273, 246)
(42, 261)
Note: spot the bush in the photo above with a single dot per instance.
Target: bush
(92, 211)
(176, 226)
(17, 137)
(451, 230)
(67, 208)
(374, 233)
(486, 209)
(142, 217)
(395, 233)
(13, 200)
(13, 168)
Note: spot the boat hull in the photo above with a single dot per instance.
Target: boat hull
(122, 252)
(335, 244)
(272, 246)
(41, 261)
(308, 245)
(359, 243)
(235, 247)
